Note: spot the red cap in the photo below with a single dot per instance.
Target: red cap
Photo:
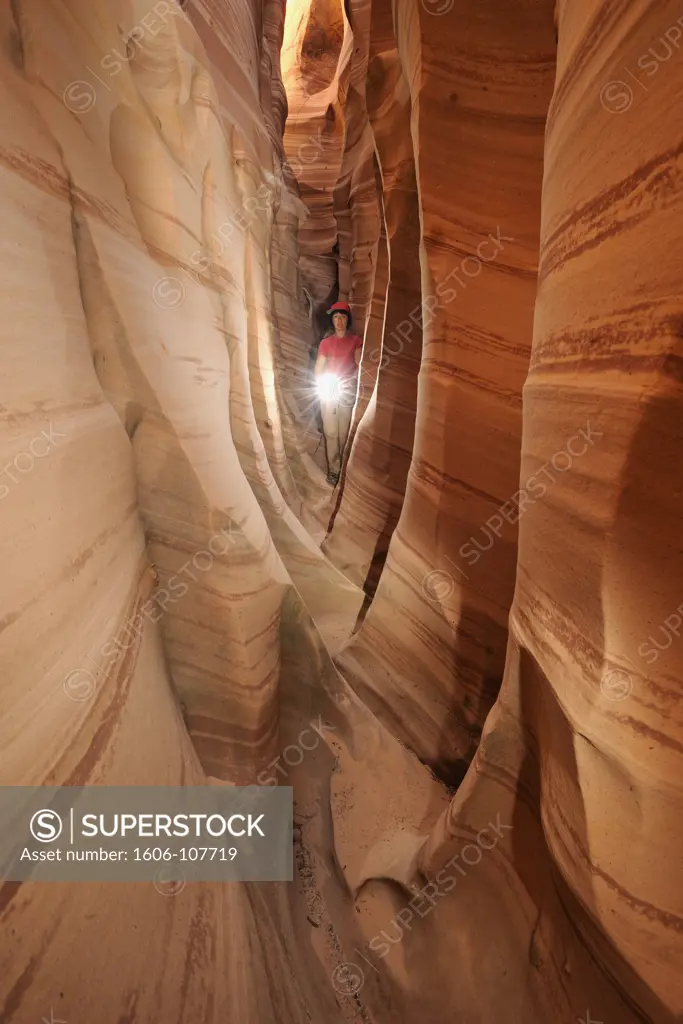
(340, 307)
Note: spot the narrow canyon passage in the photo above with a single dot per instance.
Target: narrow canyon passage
(455, 661)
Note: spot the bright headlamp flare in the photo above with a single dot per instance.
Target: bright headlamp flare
(328, 387)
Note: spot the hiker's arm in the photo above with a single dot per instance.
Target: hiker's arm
(321, 361)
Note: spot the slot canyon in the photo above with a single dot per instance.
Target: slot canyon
(462, 656)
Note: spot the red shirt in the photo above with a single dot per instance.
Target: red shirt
(339, 354)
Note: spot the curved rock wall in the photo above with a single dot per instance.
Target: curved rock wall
(443, 600)
(578, 762)
(316, 53)
(582, 751)
(378, 462)
(154, 634)
(595, 667)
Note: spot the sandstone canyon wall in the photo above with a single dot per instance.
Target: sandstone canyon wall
(429, 658)
(139, 193)
(487, 818)
(378, 463)
(585, 731)
(444, 598)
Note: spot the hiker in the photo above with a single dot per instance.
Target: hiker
(336, 376)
